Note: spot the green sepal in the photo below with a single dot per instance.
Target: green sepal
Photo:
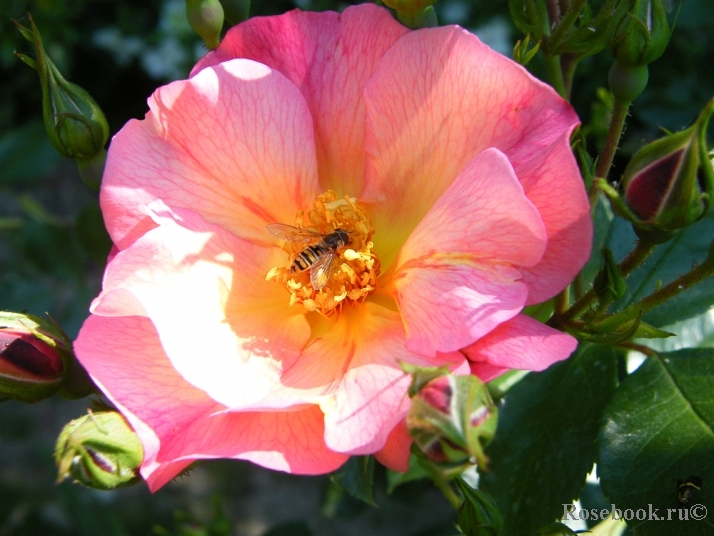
(421, 375)
(99, 450)
(74, 123)
(479, 514)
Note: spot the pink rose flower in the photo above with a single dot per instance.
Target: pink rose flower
(447, 164)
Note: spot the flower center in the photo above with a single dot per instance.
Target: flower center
(330, 255)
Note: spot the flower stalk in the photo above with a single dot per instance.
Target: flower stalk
(667, 292)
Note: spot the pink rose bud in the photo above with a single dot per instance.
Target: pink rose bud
(668, 184)
(206, 19)
(452, 418)
(36, 360)
(30, 368)
(99, 450)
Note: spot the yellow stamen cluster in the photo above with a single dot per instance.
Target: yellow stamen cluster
(355, 268)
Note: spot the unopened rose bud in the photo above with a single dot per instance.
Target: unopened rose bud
(99, 450)
(30, 368)
(668, 184)
(640, 32)
(206, 19)
(74, 122)
(452, 418)
(609, 283)
(36, 360)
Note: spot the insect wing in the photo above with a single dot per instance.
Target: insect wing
(292, 233)
(321, 271)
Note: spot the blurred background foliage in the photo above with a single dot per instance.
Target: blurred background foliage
(53, 246)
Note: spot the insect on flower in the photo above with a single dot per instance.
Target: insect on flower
(319, 256)
(688, 489)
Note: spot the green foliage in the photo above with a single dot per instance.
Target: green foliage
(658, 430)
(545, 443)
(356, 477)
(667, 263)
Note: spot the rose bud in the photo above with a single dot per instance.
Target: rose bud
(640, 32)
(99, 450)
(30, 368)
(609, 283)
(206, 19)
(36, 360)
(75, 124)
(668, 183)
(452, 418)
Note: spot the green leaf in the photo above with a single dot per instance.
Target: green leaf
(545, 442)
(416, 471)
(356, 477)
(696, 332)
(478, 515)
(669, 261)
(658, 430)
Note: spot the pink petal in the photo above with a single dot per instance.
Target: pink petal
(225, 328)
(395, 453)
(551, 180)
(178, 423)
(353, 372)
(521, 343)
(483, 215)
(439, 98)
(448, 282)
(330, 57)
(447, 306)
(234, 143)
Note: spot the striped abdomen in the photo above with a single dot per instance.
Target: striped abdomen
(308, 256)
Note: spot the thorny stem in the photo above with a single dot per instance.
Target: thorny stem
(688, 280)
(553, 11)
(617, 123)
(562, 301)
(635, 258)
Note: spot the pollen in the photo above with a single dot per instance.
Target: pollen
(351, 276)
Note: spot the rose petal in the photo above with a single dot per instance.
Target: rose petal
(448, 306)
(551, 180)
(225, 328)
(256, 166)
(438, 99)
(521, 343)
(178, 423)
(395, 453)
(353, 372)
(330, 58)
(483, 215)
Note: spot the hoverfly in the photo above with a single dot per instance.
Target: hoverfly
(688, 489)
(319, 256)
